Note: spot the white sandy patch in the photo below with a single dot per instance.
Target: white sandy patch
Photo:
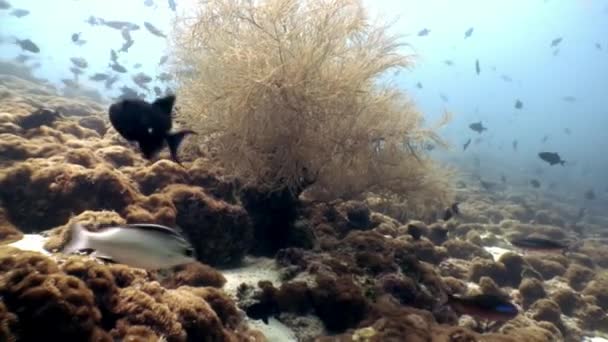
(251, 272)
(594, 339)
(274, 331)
(496, 252)
(31, 242)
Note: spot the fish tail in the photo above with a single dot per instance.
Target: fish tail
(79, 239)
(174, 140)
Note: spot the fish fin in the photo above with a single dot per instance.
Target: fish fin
(78, 240)
(174, 140)
(165, 103)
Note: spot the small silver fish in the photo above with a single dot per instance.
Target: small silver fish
(27, 45)
(99, 77)
(118, 68)
(163, 60)
(147, 246)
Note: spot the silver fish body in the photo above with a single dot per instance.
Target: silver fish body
(146, 246)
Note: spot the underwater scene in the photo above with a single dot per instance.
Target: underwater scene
(304, 170)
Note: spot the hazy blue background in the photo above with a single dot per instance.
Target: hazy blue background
(510, 38)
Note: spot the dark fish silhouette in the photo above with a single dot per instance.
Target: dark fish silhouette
(551, 157)
(468, 33)
(126, 45)
(451, 211)
(515, 143)
(555, 42)
(424, 32)
(79, 62)
(163, 60)
(569, 98)
(448, 62)
(589, 194)
(113, 56)
(149, 124)
(534, 243)
(519, 104)
(598, 46)
(477, 127)
(154, 30)
(99, 77)
(419, 85)
(126, 34)
(545, 138)
(535, 183)
(119, 25)
(484, 306)
(19, 13)
(466, 145)
(118, 68)
(27, 45)
(477, 69)
(4, 5)
(75, 37)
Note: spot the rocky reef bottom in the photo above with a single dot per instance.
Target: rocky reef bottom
(345, 270)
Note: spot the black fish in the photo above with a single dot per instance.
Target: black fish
(148, 123)
(99, 77)
(466, 145)
(424, 32)
(551, 157)
(555, 42)
(477, 127)
(468, 33)
(484, 306)
(589, 195)
(262, 310)
(75, 37)
(477, 69)
(28, 45)
(119, 25)
(415, 231)
(535, 183)
(519, 104)
(539, 243)
(451, 211)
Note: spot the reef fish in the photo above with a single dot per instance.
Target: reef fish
(424, 32)
(484, 306)
(551, 157)
(539, 244)
(477, 127)
(147, 246)
(148, 123)
(519, 104)
(555, 42)
(28, 45)
(468, 33)
(19, 12)
(154, 30)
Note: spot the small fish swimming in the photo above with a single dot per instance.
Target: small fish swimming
(477, 127)
(451, 211)
(514, 144)
(519, 104)
(99, 77)
(27, 45)
(419, 85)
(448, 62)
(94, 21)
(567, 130)
(545, 138)
(535, 183)
(569, 98)
(110, 82)
(551, 157)
(598, 46)
(126, 45)
(154, 30)
(149, 124)
(443, 97)
(468, 33)
(147, 246)
(76, 37)
(126, 34)
(506, 78)
(477, 69)
(113, 56)
(541, 244)
(79, 62)
(163, 60)
(555, 42)
(466, 144)
(424, 32)
(120, 25)
(19, 13)
(484, 306)
(590, 195)
(76, 71)
(118, 68)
